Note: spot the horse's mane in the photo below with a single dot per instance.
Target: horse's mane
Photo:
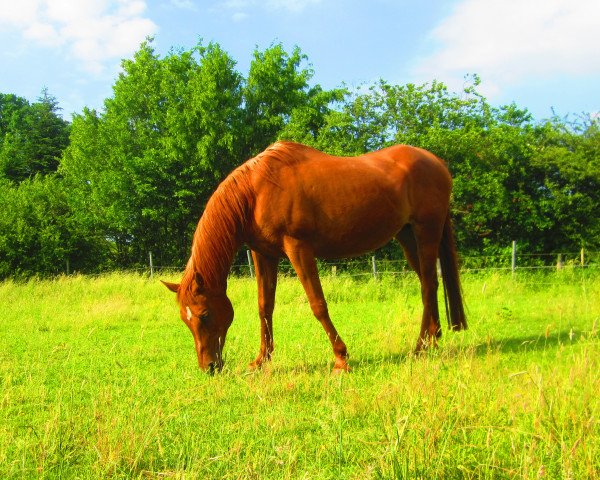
(282, 152)
(220, 230)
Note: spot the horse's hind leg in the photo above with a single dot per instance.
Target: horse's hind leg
(303, 260)
(266, 277)
(407, 241)
(428, 237)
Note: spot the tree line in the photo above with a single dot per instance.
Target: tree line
(104, 190)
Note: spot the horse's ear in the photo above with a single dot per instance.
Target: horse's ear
(199, 282)
(174, 287)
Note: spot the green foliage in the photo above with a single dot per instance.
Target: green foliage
(568, 162)
(276, 85)
(139, 172)
(38, 233)
(165, 140)
(32, 137)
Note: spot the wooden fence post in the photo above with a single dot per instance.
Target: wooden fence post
(514, 257)
(374, 267)
(249, 255)
(151, 265)
(559, 262)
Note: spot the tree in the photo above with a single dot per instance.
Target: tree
(135, 177)
(173, 129)
(308, 120)
(567, 159)
(33, 136)
(276, 86)
(150, 161)
(12, 110)
(38, 233)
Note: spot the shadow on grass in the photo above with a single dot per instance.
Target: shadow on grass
(533, 343)
(514, 345)
(447, 351)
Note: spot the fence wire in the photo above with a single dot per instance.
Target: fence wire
(365, 267)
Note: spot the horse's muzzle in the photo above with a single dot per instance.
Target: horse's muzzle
(214, 367)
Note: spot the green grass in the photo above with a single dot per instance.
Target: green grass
(99, 380)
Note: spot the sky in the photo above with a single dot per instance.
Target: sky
(543, 55)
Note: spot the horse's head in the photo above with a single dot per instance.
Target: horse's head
(208, 315)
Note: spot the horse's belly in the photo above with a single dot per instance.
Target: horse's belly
(353, 227)
(343, 239)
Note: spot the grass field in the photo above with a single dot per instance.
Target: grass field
(99, 380)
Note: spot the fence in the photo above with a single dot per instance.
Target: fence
(372, 266)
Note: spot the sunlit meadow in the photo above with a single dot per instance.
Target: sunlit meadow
(99, 380)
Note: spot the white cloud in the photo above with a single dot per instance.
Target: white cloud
(241, 8)
(184, 4)
(509, 41)
(291, 5)
(237, 4)
(239, 16)
(20, 12)
(43, 33)
(94, 32)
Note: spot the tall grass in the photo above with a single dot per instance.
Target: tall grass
(99, 380)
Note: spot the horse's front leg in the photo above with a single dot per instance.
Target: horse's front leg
(266, 277)
(302, 257)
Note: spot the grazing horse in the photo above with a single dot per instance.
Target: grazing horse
(297, 202)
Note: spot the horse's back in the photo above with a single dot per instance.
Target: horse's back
(344, 205)
(401, 174)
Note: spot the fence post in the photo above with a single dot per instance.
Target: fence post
(374, 267)
(68, 268)
(334, 271)
(582, 258)
(250, 263)
(151, 265)
(514, 257)
(559, 262)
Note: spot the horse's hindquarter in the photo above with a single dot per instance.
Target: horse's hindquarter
(340, 206)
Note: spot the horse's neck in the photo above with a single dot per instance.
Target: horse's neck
(215, 244)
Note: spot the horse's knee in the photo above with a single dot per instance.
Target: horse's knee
(265, 309)
(319, 309)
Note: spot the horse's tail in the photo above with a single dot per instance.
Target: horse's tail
(452, 290)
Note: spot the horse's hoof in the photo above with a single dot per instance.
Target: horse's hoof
(420, 350)
(340, 368)
(260, 362)
(255, 365)
(340, 371)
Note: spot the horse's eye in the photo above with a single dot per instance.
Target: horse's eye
(204, 316)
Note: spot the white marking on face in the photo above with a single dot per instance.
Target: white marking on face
(189, 313)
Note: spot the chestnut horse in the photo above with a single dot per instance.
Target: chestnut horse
(294, 201)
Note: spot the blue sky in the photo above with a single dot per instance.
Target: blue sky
(541, 54)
